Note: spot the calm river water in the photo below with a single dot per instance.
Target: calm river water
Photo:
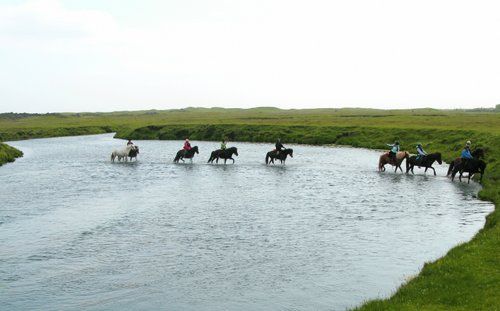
(80, 233)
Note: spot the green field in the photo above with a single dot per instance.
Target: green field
(467, 278)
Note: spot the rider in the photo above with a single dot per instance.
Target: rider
(223, 145)
(466, 154)
(279, 146)
(420, 152)
(187, 146)
(394, 150)
(130, 142)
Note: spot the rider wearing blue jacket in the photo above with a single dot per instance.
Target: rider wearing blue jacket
(420, 152)
(466, 154)
(394, 150)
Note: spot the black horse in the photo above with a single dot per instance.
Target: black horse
(425, 161)
(272, 155)
(471, 166)
(183, 154)
(478, 153)
(224, 154)
(133, 153)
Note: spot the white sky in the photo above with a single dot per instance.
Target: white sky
(97, 55)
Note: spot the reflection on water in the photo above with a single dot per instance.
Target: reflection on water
(78, 232)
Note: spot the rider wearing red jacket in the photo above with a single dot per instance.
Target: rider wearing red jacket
(187, 146)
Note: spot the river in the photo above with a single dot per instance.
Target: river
(326, 231)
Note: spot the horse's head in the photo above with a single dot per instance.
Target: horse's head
(290, 152)
(195, 149)
(478, 153)
(235, 150)
(438, 158)
(136, 148)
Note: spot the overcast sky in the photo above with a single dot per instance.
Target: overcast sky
(104, 55)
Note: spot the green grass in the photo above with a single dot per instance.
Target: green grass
(8, 154)
(25, 126)
(467, 278)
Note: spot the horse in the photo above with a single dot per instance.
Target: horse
(471, 166)
(425, 161)
(224, 154)
(183, 154)
(478, 153)
(272, 155)
(133, 153)
(386, 159)
(121, 153)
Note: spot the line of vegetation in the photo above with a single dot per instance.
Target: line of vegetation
(467, 278)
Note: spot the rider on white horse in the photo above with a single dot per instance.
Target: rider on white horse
(121, 153)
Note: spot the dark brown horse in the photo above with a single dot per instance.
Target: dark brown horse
(471, 166)
(386, 159)
(272, 155)
(425, 161)
(478, 153)
(133, 153)
(224, 154)
(183, 154)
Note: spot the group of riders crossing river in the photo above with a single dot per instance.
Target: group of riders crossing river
(468, 162)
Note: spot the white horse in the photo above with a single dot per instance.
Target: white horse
(121, 153)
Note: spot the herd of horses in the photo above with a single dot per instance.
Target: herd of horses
(459, 165)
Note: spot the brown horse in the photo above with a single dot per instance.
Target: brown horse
(386, 159)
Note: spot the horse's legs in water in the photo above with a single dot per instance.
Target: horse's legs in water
(225, 161)
(433, 170)
(426, 170)
(453, 173)
(232, 159)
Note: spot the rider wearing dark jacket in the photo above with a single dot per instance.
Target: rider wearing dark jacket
(279, 146)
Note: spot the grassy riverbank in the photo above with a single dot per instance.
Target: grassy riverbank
(8, 154)
(467, 278)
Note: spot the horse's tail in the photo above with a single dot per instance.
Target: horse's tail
(450, 169)
(380, 163)
(212, 157)
(177, 157)
(267, 158)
